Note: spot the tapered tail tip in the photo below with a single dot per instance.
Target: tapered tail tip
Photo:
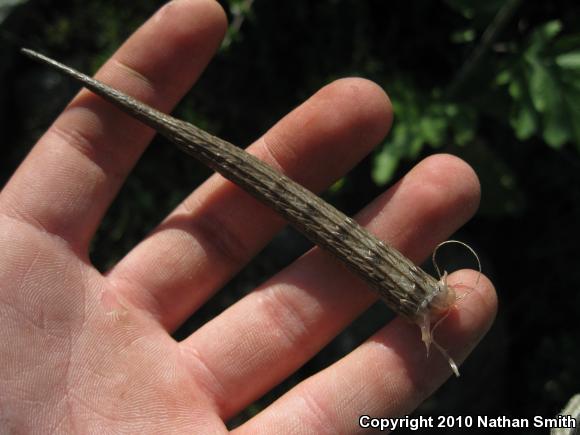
(31, 54)
(28, 52)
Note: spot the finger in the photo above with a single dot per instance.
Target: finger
(72, 174)
(220, 227)
(266, 336)
(388, 376)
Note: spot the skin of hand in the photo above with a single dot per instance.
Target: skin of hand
(85, 352)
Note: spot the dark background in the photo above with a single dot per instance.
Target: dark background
(497, 84)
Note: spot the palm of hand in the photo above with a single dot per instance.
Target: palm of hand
(76, 357)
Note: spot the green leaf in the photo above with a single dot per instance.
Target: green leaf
(524, 121)
(337, 186)
(546, 32)
(504, 77)
(570, 60)
(516, 89)
(542, 86)
(463, 125)
(463, 36)
(556, 129)
(433, 129)
(546, 94)
(421, 119)
(384, 165)
(415, 146)
(551, 29)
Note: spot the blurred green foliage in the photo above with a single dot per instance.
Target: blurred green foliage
(544, 85)
(495, 82)
(535, 69)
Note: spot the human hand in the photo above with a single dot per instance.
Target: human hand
(86, 352)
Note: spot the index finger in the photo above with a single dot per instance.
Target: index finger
(68, 180)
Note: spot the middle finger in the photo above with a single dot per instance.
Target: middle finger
(220, 227)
